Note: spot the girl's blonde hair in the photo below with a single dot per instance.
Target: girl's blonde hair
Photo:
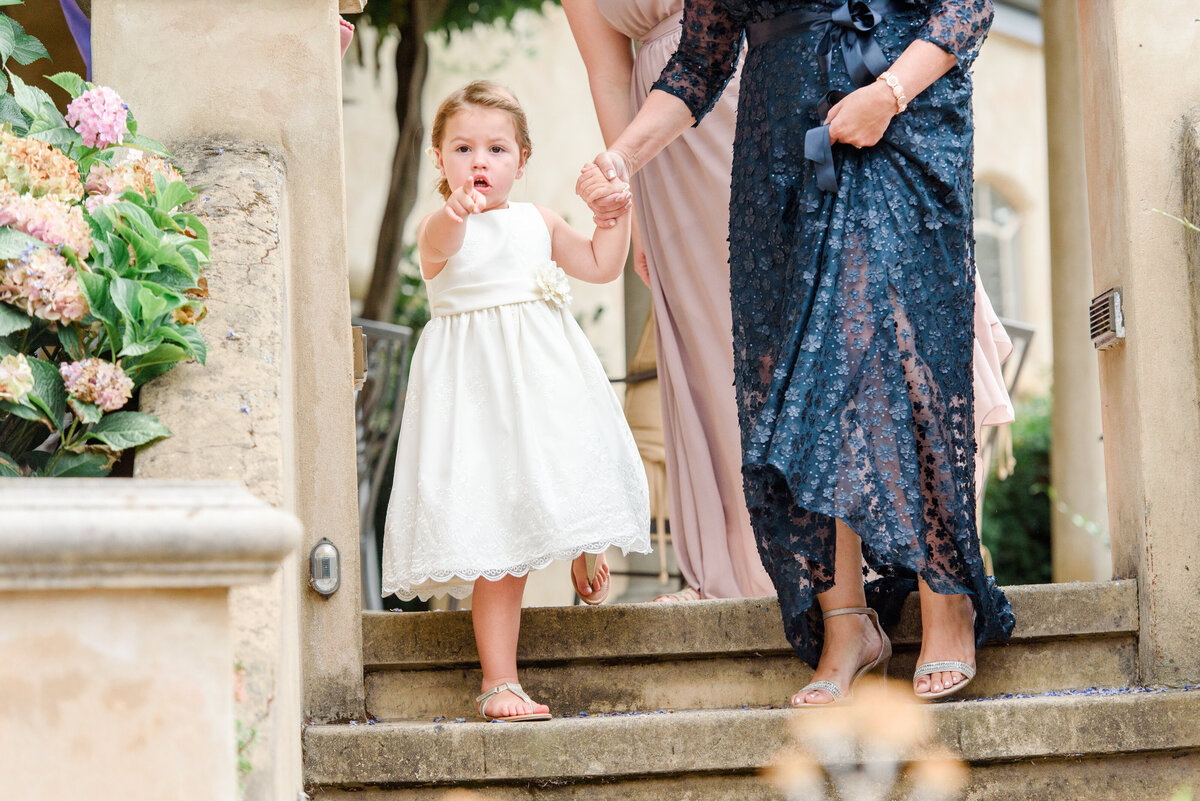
(485, 94)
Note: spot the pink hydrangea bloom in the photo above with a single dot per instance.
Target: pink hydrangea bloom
(47, 218)
(97, 381)
(16, 378)
(100, 116)
(106, 183)
(42, 284)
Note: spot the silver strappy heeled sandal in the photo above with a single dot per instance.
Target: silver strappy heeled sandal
(877, 665)
(945, 666)
(515, 689)
(930, 668)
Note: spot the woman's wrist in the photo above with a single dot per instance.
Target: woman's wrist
(884, 97)
(894, 88)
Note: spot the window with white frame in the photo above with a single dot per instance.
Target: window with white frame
(998, 249)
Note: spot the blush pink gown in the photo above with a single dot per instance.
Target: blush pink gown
(682, 202)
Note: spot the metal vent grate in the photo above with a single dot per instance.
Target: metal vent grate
(1107, 322)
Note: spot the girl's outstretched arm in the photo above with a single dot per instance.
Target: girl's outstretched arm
(598, 260)
(440, 235)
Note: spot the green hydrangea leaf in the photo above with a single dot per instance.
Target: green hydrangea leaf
(8, 36)
(61, 136)
(25, 412)
(146, 143)
(8, 466)
(13, 242)
(48, 393)
(187, 336)
(30, 98)
(121, 430)
(72, 83)
(87, 413)
(10, 112)
(71, 338)
(12, 320)
(77, 465)
(27, 49)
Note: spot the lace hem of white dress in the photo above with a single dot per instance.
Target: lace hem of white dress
(464, 580)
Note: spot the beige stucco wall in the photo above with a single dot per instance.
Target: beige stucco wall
(266, 74)
(115, 630)
(117, 694)
(1010, 153)
(1138, 94)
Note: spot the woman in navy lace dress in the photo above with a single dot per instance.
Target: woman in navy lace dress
(852, 278)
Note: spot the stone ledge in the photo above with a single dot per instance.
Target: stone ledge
(725, 627)
(716, 741)
(62, 533)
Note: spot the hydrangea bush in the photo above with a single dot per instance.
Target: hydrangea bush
(101, 282)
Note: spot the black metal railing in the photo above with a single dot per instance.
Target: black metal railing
(378, 409)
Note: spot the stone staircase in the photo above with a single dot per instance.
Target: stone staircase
(682, 702)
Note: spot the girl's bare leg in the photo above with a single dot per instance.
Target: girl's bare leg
(496, 615)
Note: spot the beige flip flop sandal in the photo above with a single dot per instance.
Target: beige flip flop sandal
(515, 689)
(599, 595)
(688, 593)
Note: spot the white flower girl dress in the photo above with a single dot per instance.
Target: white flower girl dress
(513, 447)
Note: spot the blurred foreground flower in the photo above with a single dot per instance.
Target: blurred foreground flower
(874, 748)
(16, 378)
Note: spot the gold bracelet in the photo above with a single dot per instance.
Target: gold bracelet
(897, 90)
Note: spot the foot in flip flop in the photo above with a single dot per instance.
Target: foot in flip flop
(688, 593)
(589, 575)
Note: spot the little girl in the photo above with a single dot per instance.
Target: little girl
(513, 448)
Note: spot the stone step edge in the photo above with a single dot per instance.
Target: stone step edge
(416, 640)
(706, 741)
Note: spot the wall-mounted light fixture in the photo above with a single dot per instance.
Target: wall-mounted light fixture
(324, 568)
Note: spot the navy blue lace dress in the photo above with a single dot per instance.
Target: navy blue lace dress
(852, 284)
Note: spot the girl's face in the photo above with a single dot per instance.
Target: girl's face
(480, 146)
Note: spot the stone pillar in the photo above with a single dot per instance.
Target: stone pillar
(1076, 451)
(1136, 98)
(268, 72)
(115, 629)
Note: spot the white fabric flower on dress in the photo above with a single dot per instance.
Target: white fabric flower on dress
(556, 290)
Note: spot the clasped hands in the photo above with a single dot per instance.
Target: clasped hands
(859, 119)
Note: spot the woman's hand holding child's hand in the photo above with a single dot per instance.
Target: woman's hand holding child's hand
(608, 199)
(464, 201)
